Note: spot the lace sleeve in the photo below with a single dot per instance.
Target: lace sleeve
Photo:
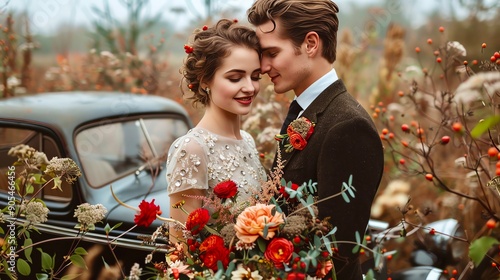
(186, 165)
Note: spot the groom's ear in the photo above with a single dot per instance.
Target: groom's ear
(312, 43)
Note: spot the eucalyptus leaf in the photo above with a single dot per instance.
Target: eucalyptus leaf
(78, 261)
(27, 251)
(23, 267)
(47, 263)
(42, 276)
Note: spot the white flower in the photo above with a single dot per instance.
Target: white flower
(242, 273)
(135, 272)
(88, 215)
(36, 212)
(12, 82)
(457, 48)
(149, 257)
(472, 89)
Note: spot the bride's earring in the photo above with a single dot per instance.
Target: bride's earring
(207, 90)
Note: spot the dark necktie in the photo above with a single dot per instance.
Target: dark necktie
(293, 112)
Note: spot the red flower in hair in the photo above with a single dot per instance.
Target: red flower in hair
(147, 214)
(197, 220)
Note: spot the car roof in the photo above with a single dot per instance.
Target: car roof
(70, 109)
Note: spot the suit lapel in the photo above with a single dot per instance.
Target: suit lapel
(313, 111)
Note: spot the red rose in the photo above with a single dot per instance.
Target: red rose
(279, 251)
(226, 189)
(147, 214)
(197, 220)
(212, 250)
(297, 141)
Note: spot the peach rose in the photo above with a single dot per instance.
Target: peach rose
(251, 222)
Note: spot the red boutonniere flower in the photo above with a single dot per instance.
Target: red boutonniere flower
(147, 214)
(297, 134)
(226, 189)
(197, 220)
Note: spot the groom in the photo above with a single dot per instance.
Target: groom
(298, 40)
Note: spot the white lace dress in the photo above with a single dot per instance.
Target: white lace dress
(201, 160)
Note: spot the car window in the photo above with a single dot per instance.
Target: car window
(108, 151)
(10, 137)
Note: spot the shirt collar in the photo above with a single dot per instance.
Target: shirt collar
(315, 89)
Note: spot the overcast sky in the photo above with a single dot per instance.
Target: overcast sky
(47, 15)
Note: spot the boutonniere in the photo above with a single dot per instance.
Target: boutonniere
(297, 134)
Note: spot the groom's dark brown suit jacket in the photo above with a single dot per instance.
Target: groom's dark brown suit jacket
(345, 142)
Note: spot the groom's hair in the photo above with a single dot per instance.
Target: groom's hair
(297, 18)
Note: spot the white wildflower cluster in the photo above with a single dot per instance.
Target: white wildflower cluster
(88, 215)
(395, 194)
(135, 272)
(29, 155)
(36, 212)
(481, 86)
(63, 167)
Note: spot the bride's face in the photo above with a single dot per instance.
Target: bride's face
(236, 83)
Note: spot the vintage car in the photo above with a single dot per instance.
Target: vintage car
(118, 140)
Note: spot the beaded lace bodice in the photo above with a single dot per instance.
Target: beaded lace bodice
(201, 160)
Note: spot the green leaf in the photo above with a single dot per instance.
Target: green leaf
(47, 263)
(29, 188)
(262, 244)
(480, 247)
(80, 251)
(27, 252)
(23, 267)
(370, 275)
(483, 126)
(78, 261)
(42, 276)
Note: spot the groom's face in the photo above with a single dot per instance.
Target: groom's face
(286, 65)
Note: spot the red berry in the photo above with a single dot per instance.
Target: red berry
(296, 240)
(385, 131)
(492, 152)
(483, 46)
(457, 127)
(441, 29)
(493, 264)
(429, 177)
(497, 55)
(439, 60)
(389, 257)
(402, 161)
(432, 231)
(493, 58)
(405, 127)
(205, 27)
(454, 272)
(325, 254)
(417, 49)
(445, 140)
(429, 41)
(491, 223)
(404, 143)
(401, 93)
(466, 62)
(475, 62)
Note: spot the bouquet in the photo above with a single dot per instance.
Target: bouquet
(251, 240)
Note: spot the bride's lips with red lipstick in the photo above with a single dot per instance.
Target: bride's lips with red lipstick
(247, 100)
